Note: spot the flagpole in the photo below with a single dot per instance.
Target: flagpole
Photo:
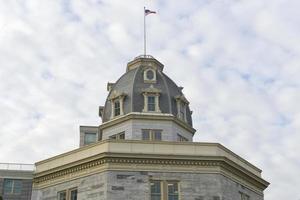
(144, 31)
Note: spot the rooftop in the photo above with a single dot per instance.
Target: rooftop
(17, 167)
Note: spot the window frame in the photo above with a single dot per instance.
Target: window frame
(164, 189)
(90, 142)
(12, 187)
(118, 136)
(117, 109)
(181, 138)
(146, 78)
(62, 192)
(151, 105)
(152, 134)
(68, 193)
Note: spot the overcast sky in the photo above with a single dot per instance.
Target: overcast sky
(238, 61)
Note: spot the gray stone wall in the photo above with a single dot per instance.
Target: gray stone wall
(122, 185)
(92, 187)
(133, 129)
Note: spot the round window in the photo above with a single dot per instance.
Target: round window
(150, 74)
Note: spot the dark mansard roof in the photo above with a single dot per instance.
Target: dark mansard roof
(132, 84)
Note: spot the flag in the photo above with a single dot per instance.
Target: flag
(147, 12)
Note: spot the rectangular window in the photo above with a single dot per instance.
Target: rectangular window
(145, 134)
(119, 136)
(151, 134)
(157, 134)
(62, 195)
(117, 108)
(181, 138)
(173, 191)
(90, 138)
(244, 196)
(73, 195)
(122, 136)
(155, 190)
(167, 190)
(182, 111)
(151, 103)
(12, 186)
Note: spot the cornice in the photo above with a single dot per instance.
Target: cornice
(112, 161)
(147, 116)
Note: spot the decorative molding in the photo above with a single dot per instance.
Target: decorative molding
(148, 116)
(125, 162)
(116, 94)
(152, 90)
(181, 98)
(146, 79)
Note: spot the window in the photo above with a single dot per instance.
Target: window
(151, 99)
(157, 134)
(151, 103)
(155, 190)
(12, 186)
(70, 194)
(150, 74)
(117, 103)
(90, 138)
(148, 134)
(172, 191)
(181, 138)
(167, 190)
(117, 108)
(182, 111)
(119, 136)
(73, 194)
(182, 104)
(244, 196)
(62, 195)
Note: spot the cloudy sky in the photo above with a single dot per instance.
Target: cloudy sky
(238, 60)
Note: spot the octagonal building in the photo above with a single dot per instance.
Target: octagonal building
(144, 150)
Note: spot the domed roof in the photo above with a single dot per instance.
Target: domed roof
(133, 84)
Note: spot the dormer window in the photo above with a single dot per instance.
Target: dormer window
(182, 111)
(117, 107)
(181, 107)
(151, 103)
(150, 76)
(117, 101)
(151, 99)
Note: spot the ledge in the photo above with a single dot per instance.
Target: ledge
(158, 149)
(147, 116)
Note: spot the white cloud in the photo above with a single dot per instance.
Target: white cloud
(238, 61)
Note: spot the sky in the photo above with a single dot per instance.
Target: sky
(238, 61)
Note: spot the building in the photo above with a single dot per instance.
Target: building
(16, 181)
(143, 150)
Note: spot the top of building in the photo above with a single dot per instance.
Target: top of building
(145, 88)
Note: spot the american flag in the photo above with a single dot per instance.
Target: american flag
(147, 12)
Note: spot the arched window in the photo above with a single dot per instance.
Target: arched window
(150, 75)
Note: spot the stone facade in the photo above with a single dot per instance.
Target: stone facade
(133, 129)
(121, 185)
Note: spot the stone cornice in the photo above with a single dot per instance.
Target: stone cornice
(127, 155)
(147, 116)
(147, 61)
(108, 161)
